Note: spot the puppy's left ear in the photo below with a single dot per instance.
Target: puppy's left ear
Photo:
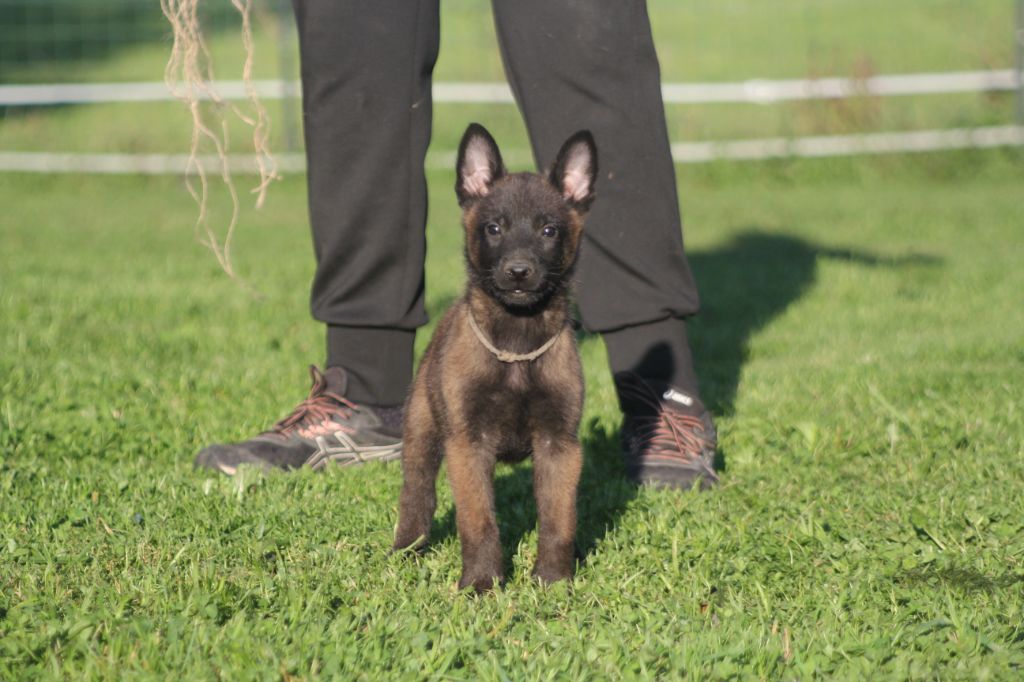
(575, 170)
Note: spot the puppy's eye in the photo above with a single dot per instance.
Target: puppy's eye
(493, 229)
(550, 231)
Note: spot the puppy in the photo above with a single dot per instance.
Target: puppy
(501, 378)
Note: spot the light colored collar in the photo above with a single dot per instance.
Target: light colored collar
(504, 355)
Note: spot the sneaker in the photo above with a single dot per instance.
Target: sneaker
(325, 427)
(668, 437)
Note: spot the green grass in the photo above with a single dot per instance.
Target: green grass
(860, 343)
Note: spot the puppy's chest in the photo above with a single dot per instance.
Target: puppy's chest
(512, 406)
(513, 392)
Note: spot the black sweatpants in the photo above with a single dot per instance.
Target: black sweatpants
(572, 64)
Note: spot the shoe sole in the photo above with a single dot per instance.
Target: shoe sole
(349, 453)
(668, 476)
(346, 453)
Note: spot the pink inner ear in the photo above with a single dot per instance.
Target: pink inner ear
(576, 182)
(477, 174)
(476, 182)
(576, 174)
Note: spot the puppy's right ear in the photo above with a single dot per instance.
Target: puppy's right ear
(479, 164)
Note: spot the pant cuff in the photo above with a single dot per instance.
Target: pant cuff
(378, 362)
(658, 351)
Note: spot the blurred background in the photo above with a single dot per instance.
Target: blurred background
(734, 70)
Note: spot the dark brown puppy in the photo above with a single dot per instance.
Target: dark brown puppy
(501, 377)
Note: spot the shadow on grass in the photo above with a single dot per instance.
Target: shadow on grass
(744, 285)
(959, 578)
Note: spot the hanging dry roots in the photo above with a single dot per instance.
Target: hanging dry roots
(189, 75)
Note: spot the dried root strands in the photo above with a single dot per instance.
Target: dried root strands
(189, 75)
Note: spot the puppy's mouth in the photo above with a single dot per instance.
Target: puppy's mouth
(520, 296)
(523, 288)
(520, 293)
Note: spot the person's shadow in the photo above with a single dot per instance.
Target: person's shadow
(744, 284)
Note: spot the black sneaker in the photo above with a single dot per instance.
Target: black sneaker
(325, 427)
(668, 438)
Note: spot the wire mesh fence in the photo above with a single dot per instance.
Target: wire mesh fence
(40, 38)
(734, 71)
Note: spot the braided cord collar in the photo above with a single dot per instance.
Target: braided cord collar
(506, 356)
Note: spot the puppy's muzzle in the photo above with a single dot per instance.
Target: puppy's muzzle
(519, 276)
(518, 272)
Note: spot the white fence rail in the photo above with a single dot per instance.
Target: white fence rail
(751, 91)
(683, 152)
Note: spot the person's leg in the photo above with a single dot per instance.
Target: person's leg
(366, 73)
(366, 67)
(592, 65)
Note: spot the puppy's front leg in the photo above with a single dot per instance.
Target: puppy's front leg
(420, 462)
(421, 459)
(471, 473)
(556, 473)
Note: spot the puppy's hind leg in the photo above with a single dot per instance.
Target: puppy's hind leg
(471, 473)
(556, 474)
(421, 458)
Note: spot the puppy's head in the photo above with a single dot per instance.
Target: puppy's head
(523, 229)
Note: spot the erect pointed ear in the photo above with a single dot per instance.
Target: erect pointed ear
(479, 164)
(575, 170)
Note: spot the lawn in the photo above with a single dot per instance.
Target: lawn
(861, 344)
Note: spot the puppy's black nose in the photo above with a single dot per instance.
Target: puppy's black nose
(518, 271)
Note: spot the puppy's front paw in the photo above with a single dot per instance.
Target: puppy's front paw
(552, 571)
(409, 540)
(481, 583)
